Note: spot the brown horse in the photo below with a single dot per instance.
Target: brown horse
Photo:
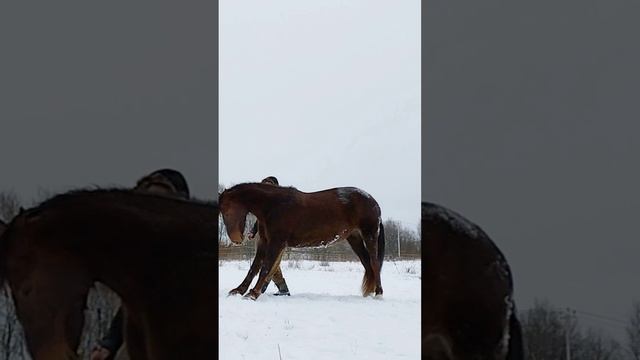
(467, 292)
(289, 217)
(157, 253)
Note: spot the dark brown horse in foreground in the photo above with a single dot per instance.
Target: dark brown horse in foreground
(467, 292)
(289, 217)
(155, 252)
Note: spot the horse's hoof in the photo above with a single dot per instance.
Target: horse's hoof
(251, 295)
(282, 293)
(235, 292)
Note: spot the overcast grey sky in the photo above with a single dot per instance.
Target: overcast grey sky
(531, 130)
(104, 92)
(323, 94)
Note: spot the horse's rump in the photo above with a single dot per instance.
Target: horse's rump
(467, 285)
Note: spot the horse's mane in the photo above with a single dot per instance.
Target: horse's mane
(81, 192)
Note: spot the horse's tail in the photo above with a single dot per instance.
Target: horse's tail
(369, 282)
(381, 243)
(516, 345)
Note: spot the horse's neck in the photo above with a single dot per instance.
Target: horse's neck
(258, 200)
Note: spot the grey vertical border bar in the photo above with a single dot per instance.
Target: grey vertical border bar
(216, 19)
(216, 95)
(423, 100)
(423, 124)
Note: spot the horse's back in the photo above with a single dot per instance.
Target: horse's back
(467, 284)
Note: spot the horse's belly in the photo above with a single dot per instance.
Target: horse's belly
(320, 240)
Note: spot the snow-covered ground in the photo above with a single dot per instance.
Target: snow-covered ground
(325, 317)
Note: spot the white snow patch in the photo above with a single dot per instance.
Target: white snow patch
(325, 317)
(456, 221)
(344, 194)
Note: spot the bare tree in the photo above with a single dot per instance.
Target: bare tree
(11, 337)
(544, 329)
(221, 229)
(10, 334)
(547, 328)
(396, 232)
(594, 345)
(42, 195)
(9, 205)
(633, 331)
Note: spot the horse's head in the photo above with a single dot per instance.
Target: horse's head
(234, 214)
(49, 304)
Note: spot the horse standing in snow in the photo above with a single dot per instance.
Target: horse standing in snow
(467, 292)
(289, 217)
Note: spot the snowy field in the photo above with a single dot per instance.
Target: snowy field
(325, 317)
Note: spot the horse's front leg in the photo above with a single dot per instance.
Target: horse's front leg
(269, 266)
(253, 270)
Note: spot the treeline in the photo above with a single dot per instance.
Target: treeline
(553, 333)
(396, 235)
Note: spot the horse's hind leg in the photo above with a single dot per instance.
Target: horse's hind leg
(136, 344)
(357, 244)
(253, 270)
(372, 248)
